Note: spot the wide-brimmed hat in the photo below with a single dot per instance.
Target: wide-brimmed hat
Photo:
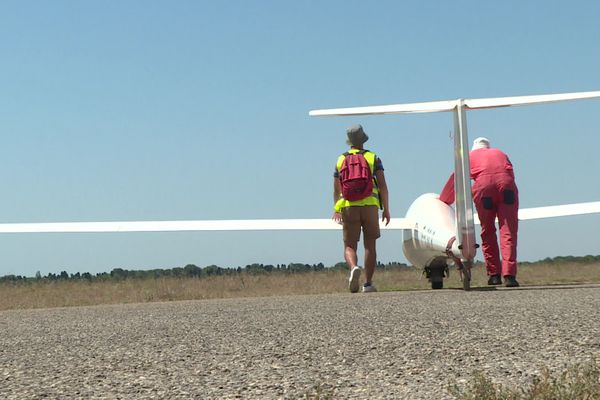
(481, 143)
(356, 135)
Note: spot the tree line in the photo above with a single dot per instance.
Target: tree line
(189, 271)
(193, 271)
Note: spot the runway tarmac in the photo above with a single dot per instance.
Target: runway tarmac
(396, 345)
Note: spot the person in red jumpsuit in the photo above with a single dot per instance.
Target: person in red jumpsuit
(495, 195)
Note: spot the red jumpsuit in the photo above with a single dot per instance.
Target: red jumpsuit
(495, 195)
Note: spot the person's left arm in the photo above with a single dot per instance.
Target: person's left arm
(447, 195)
(383, 196)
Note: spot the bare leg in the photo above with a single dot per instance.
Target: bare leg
(350, 254)
(370, 258)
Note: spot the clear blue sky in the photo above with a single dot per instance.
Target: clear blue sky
(160, 110)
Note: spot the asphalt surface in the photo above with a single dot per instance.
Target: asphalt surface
(401, 345)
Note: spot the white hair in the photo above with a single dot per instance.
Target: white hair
(481, 143)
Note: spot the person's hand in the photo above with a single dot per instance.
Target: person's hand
(385, 217)
(337, 217)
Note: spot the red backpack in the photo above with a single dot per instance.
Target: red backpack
(356, 177)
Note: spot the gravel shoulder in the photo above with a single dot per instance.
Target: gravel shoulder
(397, 345)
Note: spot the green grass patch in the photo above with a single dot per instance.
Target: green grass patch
(579, 382)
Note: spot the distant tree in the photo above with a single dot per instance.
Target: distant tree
(340, 266)
(268, 267)
(254, 269)
(589, 259)
(395, 264)
(118, 273)
(192, 270)
(212, 270)
(297, 267)
(9, 278)
(157, 273)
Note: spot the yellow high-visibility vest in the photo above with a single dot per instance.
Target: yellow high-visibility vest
(373, 199)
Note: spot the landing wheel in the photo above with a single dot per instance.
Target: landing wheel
(436, 276)
(437, 284)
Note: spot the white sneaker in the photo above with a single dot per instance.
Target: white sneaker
(369, 289)
(353, 283)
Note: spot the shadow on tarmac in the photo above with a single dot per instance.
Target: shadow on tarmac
(534, 287)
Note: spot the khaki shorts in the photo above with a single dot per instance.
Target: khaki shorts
(356, 217)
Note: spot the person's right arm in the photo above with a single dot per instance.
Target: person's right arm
(337, 192)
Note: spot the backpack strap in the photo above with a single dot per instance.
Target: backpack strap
(363, 151)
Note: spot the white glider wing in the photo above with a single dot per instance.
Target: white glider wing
(261, 224)
(564, 210)
(181, 226)
(474, 104)
(431, 106)
(450, 105)
(559, 211)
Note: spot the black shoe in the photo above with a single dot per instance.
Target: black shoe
(494, 280)
(510, 281)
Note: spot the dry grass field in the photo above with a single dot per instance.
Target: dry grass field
(67, 293)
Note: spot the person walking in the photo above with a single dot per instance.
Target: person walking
(359, 191)
(495, 195)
